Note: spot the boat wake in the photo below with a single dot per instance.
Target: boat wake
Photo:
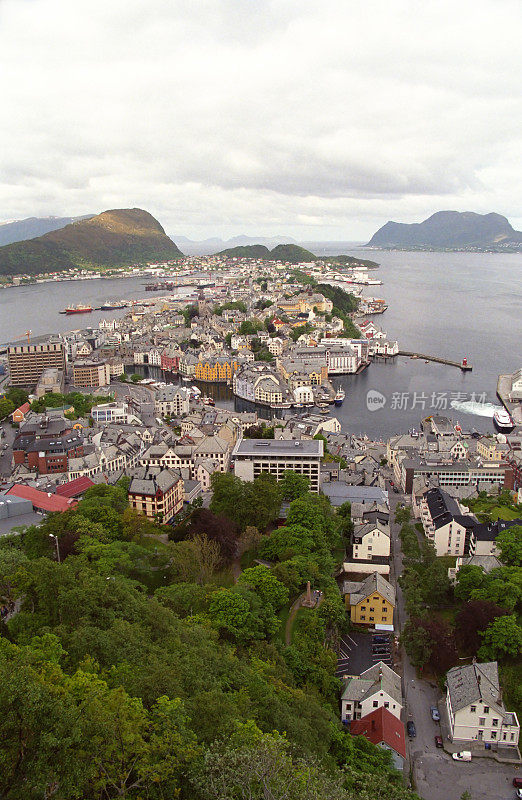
(478, 409)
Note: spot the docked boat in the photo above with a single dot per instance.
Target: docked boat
(503, 420)
(208, 401)
(79, 309)
(339, 397)
(112, 306)
(324, 410)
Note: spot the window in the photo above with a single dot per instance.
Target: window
(386, 705)
(363, 616)
(473, 709)
(372, 609)
(493, 734)
(375, 703)
(372, 619)
(482, 720)
(495, 723)
(486, 709)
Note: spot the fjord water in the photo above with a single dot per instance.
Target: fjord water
(445, 304)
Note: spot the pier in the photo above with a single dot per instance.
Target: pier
(463, 365)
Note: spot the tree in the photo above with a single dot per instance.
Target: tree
(251, 765)
(475, 616)
(6, 407)
(241, 614)
(294, 485)
(217, 528)
(503, 638)
(262, 580)
(510, 544)
(469, 579)
(417, 642)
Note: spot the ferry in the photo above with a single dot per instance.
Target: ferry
(339, 397)
(79, 309)
(503, 420)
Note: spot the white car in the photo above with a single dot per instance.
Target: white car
(464, 755)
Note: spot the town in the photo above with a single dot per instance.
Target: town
(414, 569)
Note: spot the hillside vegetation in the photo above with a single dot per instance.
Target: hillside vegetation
(120, 237)
(289, 253)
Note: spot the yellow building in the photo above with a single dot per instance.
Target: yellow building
(216, 369)
(371, 602)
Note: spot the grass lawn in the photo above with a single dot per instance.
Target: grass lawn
(501, 512)
(283, 616)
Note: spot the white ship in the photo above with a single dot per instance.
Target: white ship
(503, 420)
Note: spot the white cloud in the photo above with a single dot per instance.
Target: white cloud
(319, 120)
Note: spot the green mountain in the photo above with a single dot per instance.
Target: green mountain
(289, 253)
(449, 229)
(120, 237)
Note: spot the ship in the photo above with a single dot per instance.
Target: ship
(160, 287)
(111, 306)
(79, 309)
(339, 397)
(503, 420)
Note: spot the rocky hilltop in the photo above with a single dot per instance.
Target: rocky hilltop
(120, 237)
(449, 230)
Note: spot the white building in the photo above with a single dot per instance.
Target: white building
(475, 708)
(172, 400)
(377, 687)
(113, 412)
(251, 457)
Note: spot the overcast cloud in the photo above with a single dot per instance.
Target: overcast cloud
(320, 120)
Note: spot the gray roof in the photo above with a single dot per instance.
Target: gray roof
(378, 678)
(472, 683)
(339, 492)
(147, 480)
(279, 447)
(358, 590)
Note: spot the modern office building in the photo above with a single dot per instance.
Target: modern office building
(27, 362)
(91, 374)
(251, 457)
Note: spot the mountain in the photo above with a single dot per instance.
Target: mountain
(120, 237)
(208, 246)
(449, 229)
(292, 253)
(20, 230)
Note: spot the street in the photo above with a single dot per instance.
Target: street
(435, 775)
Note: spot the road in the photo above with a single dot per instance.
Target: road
(436, 776)
(144, 395)
(6, 456)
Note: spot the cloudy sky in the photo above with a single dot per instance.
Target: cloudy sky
(320, 119)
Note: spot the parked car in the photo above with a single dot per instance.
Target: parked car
(434, 711)
(517, 782)
(380, 639)
(518, 793)
(410, 727)
(438, 741)
(464, 755)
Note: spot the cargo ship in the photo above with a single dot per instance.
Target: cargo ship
(79, 309)
(111, 306)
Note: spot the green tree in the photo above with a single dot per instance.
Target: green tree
(294, 485)
(510, 544)
(262, 580)
(503, 638)
(469, 579)
(417, 643)
(6, 407)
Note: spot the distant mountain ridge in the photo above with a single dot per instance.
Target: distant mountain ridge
(120, 237)
(291, 253)
(20, 230)
(449, 229)
(206, 247)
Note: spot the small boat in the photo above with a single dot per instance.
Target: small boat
(185, 378)
(503, 420)
(324, 411)
(79, 309)
(339, 397)
(208, 401)
(426, 361)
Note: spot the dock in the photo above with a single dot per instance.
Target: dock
(513, 407)
(463, 365)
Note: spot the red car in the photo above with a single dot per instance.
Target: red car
(439, 743)
(517, 783)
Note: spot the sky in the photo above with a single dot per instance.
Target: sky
(319, 120)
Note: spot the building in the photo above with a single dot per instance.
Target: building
(377, 687)
(41, 501)
(169, 359)
(28, 361)
(113, 412)
(19, 413)
(51, 381)
(251, 457)
(371, 601)
(91, 374)
(383, 729)
(475, 709)
(47, 445)
(156, 492)
(172, 401)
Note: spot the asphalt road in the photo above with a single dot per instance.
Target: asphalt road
(436, 776)
(142, 394)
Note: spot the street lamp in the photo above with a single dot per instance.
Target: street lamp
(52, 536)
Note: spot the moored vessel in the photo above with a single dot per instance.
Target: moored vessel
(339, 397)
(79, 309)
(503, 420)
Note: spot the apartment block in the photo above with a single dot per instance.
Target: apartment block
(27, 362)
(251, 457)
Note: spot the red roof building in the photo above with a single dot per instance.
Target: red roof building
(42, 501)
(74, 488)
(19, 413)
(382, 728)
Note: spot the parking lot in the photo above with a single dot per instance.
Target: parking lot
(359, 650)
